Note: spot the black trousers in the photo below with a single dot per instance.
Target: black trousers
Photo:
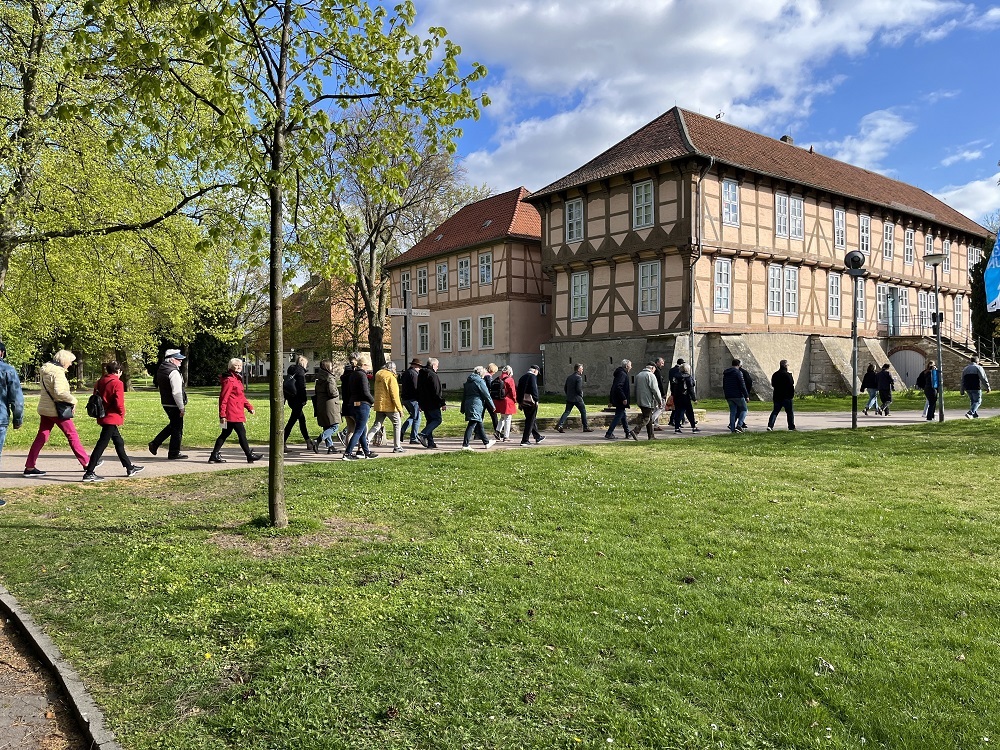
(530, 428)
(682, 408)
(174, 431)
(297, 416)
(109, 434)
(241, 432)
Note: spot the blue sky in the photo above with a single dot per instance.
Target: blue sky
(908, 88)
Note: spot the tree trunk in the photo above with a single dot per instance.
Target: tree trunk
(121, 357)
(376, 336)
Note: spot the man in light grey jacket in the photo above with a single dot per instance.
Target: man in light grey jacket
(648, 398)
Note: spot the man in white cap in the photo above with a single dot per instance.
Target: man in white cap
(173, 399)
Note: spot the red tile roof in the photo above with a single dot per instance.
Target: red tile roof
(495, 218)
(678, 133)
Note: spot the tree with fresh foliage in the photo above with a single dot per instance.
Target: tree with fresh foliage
(266, 73)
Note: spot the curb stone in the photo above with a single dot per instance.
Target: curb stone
(89, 716)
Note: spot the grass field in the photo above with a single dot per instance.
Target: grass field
(145, 417)
(834, 589)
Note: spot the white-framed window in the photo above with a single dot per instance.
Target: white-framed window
(579, 295)
(442, 277)
(888, 240)
(465, 333)
(774, 290)
(485, 331)
(859, 300)
(974, 255)
(485, 268)
(958, 313)
(791, 291)
(422, 282)
(649, 287)
(865, 234)
(833, 282)
(404, 281)
(574, 220)
(730, 203)
(423, 337)
(908, 246)
(904, 307)
(642, 204)
(723, 284)
(781, 215)
(946, 249)
(839, 228)
(923, 310)
(882, 302)
(446, 335)
(464, 273)
(796, 218)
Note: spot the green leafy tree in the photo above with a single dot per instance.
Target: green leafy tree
(273, 68)
(392, 204)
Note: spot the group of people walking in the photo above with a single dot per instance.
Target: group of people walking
(344, 399)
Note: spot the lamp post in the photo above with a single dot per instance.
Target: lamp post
(934, 260)
(854, 261)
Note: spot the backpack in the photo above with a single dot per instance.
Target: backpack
(496, 388)
(288, 387)
(95, 406)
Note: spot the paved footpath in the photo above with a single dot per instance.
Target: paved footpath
(36, 710)
(61, 467)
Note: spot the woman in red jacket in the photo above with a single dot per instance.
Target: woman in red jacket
(507, 406)
(232, 405)
(112, 393)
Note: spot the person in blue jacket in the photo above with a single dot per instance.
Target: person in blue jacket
(11, 400)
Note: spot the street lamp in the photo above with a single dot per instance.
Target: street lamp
(934, 260)
(854, 261)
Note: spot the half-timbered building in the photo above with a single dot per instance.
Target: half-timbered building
(694, 238)
(479, 274)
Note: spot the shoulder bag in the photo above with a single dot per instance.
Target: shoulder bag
(64, 409)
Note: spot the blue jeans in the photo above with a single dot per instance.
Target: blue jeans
(788, 406)
(570, 405)
(328, 433)
(433, 421)
(360, 435)
(3, 437)
(872, 398)
(413, 421)
(620, 418)
(975, 399)
(737, 412)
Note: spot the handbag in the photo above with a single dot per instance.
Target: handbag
(527, 400)
(64, 409)
(95, 406)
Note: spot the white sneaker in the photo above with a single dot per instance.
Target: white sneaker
(968, 415)
(466, 447)
(490, 443)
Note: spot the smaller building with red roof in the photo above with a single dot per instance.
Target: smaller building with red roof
(479, 276)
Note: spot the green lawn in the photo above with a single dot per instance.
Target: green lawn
(825, 589)
(145, 418)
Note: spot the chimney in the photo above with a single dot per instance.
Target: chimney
(788, 139)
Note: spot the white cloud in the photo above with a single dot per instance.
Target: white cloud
(591, 72)
(961, 156)
(974, 199)
(878, 132)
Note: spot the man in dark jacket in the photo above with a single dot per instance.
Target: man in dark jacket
(973, 381)
(408, 395)
(296, 396)
(430, 395)
(527, 398)
(574, 398)
(620, 392)
(11, 400)
(673, 384)
(734, 388)
(173, 399)
(346, 402)
(361, 403)
(783, 397)
(886, 385)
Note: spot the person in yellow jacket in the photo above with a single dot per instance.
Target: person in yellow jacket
(56, 390)
(388, 403)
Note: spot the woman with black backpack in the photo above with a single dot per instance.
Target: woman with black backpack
(111, 393)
